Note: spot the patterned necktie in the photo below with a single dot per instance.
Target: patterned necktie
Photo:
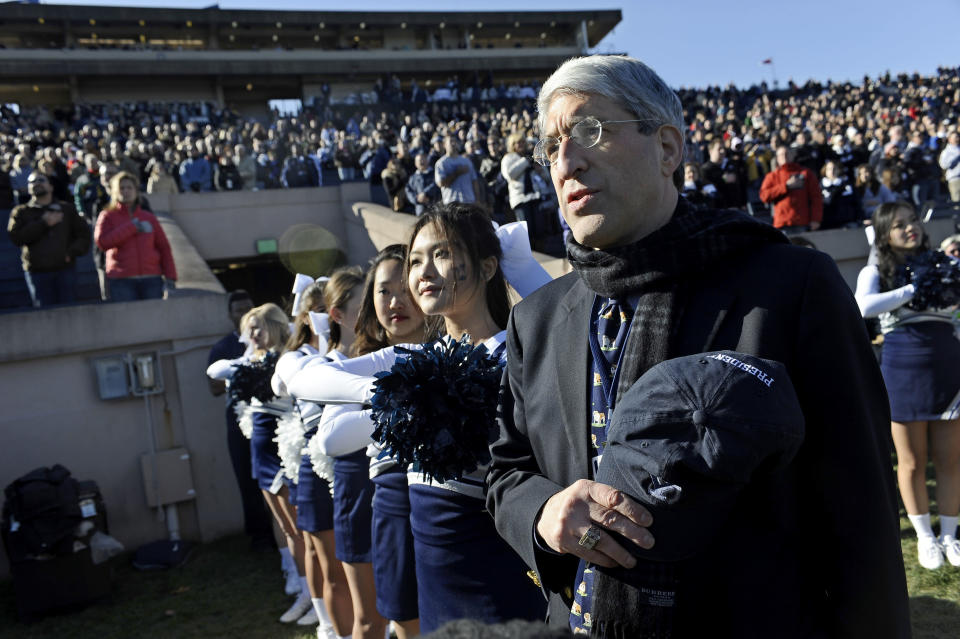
(608, 334)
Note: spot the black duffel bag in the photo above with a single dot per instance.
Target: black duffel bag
(40, 514)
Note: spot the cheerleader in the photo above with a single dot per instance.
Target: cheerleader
(325, 579)
(387, 316)
(352, 488)
(463, 568)
(267, 329)
(919, 366)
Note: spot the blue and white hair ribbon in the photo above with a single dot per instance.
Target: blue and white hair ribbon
(320, 325)
(300, 283)
(521, 269)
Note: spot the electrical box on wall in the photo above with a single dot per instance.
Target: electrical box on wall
(112, 381)
(168, 479)
(145, 374)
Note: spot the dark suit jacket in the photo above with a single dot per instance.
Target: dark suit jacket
(815, 553)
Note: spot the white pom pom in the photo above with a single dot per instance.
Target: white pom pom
(244, 418)
(322, 464)
(290, 441)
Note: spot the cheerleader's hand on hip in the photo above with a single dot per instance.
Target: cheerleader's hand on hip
(576, 520)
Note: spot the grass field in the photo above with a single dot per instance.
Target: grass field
(226, 591)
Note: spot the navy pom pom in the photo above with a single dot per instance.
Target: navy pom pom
(436, 408)
(252, 380)
(935, 277)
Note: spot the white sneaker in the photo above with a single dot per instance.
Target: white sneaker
(951, 548)
(292, 585)
(309, 619)
(929, 552)
(298, 609)
(326, 632)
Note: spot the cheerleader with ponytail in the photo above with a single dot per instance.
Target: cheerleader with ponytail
(352, 489)
(326, 585)
(387, 317)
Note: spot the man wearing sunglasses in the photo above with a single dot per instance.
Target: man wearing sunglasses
(813, 551)
(51, 236)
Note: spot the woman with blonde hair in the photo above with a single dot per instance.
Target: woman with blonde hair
(138, 255)
(266, 329)
(518, 170)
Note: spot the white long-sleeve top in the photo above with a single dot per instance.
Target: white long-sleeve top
(344, 429)
(889, 305)
(289, 365)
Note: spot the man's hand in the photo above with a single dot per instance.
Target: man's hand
(570, 512)
(52, 218)
(814, 225)
(796, 181)
(422, 197)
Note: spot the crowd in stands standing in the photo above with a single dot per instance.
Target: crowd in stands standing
(856, 145)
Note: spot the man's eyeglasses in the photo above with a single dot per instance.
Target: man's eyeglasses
(586, 133)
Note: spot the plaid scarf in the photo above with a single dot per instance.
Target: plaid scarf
(659, 269)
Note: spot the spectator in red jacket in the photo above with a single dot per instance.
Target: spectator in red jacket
(795, 193)
(137, 250)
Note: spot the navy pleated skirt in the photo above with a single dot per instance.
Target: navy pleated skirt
(921, 369)
(352, 507)
(465, 570)
(314, 502)
(394, 568)
(264, 459)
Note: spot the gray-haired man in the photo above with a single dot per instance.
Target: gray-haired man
(814, 552)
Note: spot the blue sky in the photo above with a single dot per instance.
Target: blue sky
(700, 42)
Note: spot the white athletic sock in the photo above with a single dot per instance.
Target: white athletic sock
(321, 611)
(286, 559)
(921, 523)
(948, 526)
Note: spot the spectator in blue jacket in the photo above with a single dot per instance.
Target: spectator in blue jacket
(195, 173)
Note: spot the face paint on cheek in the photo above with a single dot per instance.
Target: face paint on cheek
(460, 272)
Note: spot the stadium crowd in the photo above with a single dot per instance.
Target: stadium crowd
(811, 156)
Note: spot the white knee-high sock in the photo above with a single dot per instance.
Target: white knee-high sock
(948, 526)
(921, 523)
(321, 611)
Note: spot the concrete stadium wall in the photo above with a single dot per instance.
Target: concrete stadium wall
(53, 413)
(226, 225)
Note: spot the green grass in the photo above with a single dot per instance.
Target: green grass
(224, 590)
(934, 594)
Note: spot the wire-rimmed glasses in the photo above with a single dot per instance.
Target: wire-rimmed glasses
(586, 133)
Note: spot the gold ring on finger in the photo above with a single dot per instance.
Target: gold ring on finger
(590, 538)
